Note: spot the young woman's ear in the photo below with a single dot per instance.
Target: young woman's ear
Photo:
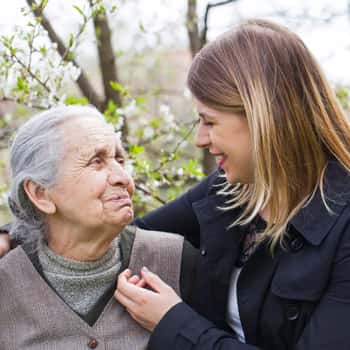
(39, 196)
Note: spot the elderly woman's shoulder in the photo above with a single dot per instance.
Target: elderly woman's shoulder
(11, 262)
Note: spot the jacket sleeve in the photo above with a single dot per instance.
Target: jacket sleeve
(178, 216)
(183, 329)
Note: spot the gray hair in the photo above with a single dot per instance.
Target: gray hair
(35, 154)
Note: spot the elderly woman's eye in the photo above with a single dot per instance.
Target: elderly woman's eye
(96, 161)
(120, 160)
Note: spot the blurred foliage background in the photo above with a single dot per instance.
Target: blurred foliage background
(129, 59)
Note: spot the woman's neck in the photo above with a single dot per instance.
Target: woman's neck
(80, 243)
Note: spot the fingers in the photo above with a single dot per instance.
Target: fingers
(124, 300)
(125, 274)
(141, 283)
(134, 279)
(132, 291)
(146, 306)
(153, 280)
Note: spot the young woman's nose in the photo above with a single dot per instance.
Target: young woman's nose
(202, 136)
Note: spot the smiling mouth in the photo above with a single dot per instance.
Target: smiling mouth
(220, 160)
(122, 200)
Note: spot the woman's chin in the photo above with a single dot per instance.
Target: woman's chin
(122, 217)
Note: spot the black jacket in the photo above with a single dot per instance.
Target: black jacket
(298, 299)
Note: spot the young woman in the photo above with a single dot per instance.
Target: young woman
(274, 270)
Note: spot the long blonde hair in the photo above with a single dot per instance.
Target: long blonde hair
(265, 71)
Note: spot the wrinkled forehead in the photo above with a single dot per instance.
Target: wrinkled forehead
(84, 135)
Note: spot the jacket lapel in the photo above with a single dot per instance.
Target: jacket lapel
(219, 247)
(253, 284)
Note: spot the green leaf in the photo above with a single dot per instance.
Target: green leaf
(142, 28)
(43, 50)
(70, 56)
(136, 149)
(140, 100)
(71, 100)
(43, 4)
(22, 85)
(71, 40)
(119, 88)
(77, 8)
(155, 123)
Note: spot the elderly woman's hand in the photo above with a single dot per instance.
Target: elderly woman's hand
(147, 307)
(4, 244)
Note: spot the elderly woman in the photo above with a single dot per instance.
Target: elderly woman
(71, 201)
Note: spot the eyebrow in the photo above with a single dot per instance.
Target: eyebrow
(103, 150)
(205, 116)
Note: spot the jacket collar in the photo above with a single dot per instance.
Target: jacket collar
(314, 221)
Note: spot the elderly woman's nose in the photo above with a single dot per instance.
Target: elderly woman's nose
(118, 175)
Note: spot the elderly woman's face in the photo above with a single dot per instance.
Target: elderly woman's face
(93, 189)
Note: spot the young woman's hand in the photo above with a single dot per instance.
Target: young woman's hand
(147, 307)
(4, 244)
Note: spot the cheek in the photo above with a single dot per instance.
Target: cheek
(94, 183)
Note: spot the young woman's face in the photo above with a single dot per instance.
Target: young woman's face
(227, 137)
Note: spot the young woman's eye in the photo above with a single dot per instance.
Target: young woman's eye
(205, 122)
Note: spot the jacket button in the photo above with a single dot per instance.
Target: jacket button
(296, 244)
(203, 252)
(292, 312)
(92, 344)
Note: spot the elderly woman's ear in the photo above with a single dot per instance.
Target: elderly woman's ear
(39, 196)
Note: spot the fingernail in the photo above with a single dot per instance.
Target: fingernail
(145, 269)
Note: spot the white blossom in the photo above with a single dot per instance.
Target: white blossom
(180, 171)
(148, 132)
(129, 166)
(187, 93)
(164, 109)
(44, 74)
(129, 110)
(8, 117)
(120, 123)
(166, 114)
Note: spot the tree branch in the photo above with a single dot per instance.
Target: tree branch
(192, 27)
(14, 100)
(107, 61)
(106, 55)
(83, 82)
(149, 193)
(206, 16)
